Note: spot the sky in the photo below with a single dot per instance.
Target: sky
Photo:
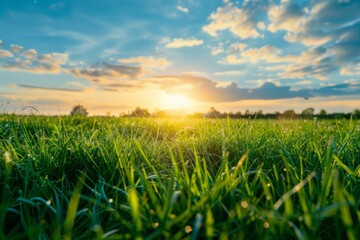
(114, 55)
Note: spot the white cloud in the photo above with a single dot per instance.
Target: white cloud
(31, 53)
(148, 63)
(238, 21)
(350, 70)
(56, 5)
(261, 25)
(313, 24)
(16, 48)
(266, 53)
(5, 53)
(196, 73)
(217, 50)
(228, 73)
(231, 59)
(107, 73)
(275, 68)
(237, 47)
(182, 9)
(287, 16)
(305, 82)
(180, 42)
(29, 60)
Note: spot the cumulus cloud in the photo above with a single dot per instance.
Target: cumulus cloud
(149, 64)
(350, 70)
(205, 89)
(315, 62)
(331, 30)
(218, 49)
(20, 59)
(31, 53)
(180, 43)
(326, 20)
(265, 53)
(239, 21)
(261, 25)
(43, 64)
(288, 16)
(5, 53)
(182, 9)
(16, 48)
(237, 47)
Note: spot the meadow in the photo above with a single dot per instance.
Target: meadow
(137, 178)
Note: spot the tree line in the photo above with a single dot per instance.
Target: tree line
(307, 113)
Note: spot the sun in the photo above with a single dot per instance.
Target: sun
(176, 101)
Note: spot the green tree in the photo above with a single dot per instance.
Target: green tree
(289, 114)
(322, 113)
(308, 112)
(79, 110)
(213, 113)
(356, 113)
(140, 112)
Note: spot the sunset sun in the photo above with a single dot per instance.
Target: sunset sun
(176, 101)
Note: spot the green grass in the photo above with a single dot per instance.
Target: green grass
(110, 178)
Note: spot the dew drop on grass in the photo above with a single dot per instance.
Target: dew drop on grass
(7, 157)
(155, 224)
(266, 225)
(188, 229)
(244, 204)
(97, 228)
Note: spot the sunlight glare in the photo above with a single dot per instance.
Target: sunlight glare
(176, 101)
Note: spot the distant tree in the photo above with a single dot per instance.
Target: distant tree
(213, 113)
(322, 113)
(356, 113)
(140, 112)
(259, 114)
(289, 114)
(238, 114)
(277, 115)
(79, 110)
(308, 112)
(198, 115)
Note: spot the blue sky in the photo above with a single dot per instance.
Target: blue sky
(112, 55)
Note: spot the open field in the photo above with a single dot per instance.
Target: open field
(111, 178)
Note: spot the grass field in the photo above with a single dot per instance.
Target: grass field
(112, 178)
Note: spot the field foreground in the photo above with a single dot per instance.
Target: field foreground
(111, 178)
